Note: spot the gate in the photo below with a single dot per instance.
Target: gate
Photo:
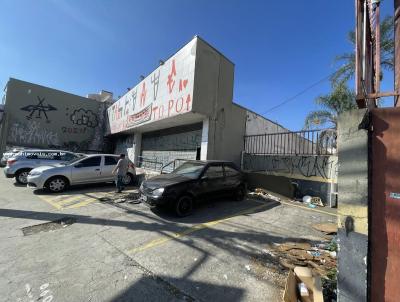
(385, 205)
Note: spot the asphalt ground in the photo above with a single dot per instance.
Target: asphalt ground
(108, 251)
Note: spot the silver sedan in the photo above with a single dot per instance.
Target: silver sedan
(95, 168)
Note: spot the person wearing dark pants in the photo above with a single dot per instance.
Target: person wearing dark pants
(120, 170)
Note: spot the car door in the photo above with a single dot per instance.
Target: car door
(232, 178)
(212, 181)
(87, 170)
(106, 170)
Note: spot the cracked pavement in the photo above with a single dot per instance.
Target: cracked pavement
(126, 252)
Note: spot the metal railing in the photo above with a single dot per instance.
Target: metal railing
(305, 142)
(149, 163)
(172, 165)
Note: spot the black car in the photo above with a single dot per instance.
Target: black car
(191, 182)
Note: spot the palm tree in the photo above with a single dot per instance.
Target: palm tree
(341, 99)
(347, 70)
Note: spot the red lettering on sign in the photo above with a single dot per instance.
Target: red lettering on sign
(143, 95)
(188, 101)
(182, 84)
(179, 105)
(155, 109)
(161, 112)
(170, 106)
(171, 76)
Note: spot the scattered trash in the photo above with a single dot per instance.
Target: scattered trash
(195, 259)
(225, 277)
(125, 277)
(312, 206)
(264, 194)
(247, 267)
(317, 201)
(119, 200)
(303, 285)
(307, 199)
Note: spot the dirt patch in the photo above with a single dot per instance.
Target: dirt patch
(48, 226)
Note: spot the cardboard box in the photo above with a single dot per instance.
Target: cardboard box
(313, 283)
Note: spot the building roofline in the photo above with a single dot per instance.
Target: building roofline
(170, 56)
(261, 116)
(30, 83)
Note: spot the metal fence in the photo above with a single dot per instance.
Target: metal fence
(306, 142)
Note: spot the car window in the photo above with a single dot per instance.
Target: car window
(189, 169)
(229, 171)
(91, 162)
(67, 156)
(214, 172)
(110, 161)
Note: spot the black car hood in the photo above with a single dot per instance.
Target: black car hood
(164, 180)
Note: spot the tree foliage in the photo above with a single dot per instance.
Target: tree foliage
(341, 99)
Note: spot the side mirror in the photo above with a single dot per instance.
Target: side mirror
(204, 178)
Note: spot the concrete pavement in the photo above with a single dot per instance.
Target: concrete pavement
(126, 252)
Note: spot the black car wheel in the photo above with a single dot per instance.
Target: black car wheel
(240, 193)
(56, 184)
(22, 176)
(127, 179)
(184, 206)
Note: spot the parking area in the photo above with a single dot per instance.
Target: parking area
(84, 245)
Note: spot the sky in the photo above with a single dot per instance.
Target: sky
(83, 46)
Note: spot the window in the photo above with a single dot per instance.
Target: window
(229, 171)
(90, 162)
(214, 172)
(189, 169)
(110, 161)
(67, 156)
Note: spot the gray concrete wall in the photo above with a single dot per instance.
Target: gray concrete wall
(42, 117)
(352, 207)
(314, 175)
(213, 92)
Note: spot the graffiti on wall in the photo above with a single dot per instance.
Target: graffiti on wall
(32, 134)
(166, 92)
(83, 117)
(306, 166)
(38, 110)
(98, 137)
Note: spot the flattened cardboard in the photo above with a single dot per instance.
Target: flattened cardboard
(302, 274)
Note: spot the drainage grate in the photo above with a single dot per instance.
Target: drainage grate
(48, 226)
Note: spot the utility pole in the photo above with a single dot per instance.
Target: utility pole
(396, 52)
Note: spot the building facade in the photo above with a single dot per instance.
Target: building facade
(184, 109)
(42, 117)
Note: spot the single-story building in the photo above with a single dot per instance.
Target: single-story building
(184, 109)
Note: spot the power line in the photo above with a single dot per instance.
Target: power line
(300, 93)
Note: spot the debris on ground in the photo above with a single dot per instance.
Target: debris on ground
(319, 258)
(327, 228)
(312, 202)
(264, 194)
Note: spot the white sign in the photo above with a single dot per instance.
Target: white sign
(166, 92)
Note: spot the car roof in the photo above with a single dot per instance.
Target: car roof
(44, 150)
(210, 161)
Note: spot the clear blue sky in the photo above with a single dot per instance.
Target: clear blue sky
(80, 46)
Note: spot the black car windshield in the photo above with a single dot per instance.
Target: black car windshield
(189, 169)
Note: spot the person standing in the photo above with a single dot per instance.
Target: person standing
(120, 170)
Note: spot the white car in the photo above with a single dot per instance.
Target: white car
(94, 168)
